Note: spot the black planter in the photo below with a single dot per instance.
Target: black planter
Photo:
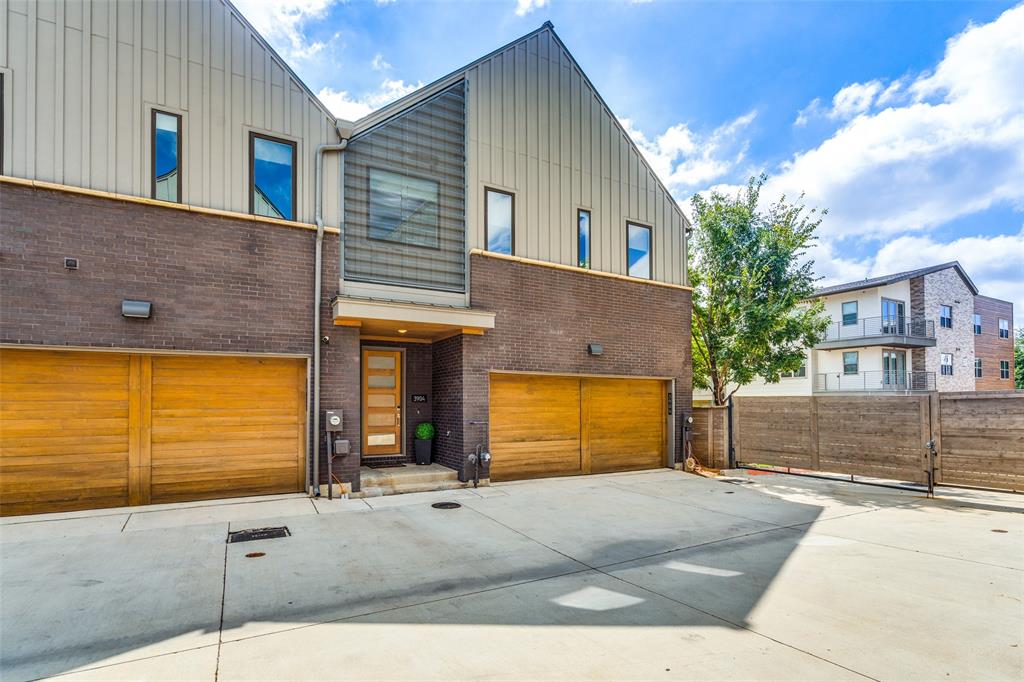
(423, 451)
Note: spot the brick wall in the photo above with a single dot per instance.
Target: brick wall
(989, 348)
(217, 284)
(448, 401)
(946, 287)
(545, 317)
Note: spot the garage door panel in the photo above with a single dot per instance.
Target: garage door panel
(534, 426)
(556, 426)
(85, 430)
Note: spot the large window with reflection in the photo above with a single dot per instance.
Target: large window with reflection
(403, 208)
(499, 221)
(272, 165)
(638, 250)
(166, 156)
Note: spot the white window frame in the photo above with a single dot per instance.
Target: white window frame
(943, 364)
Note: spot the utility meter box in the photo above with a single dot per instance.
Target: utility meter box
(333, 420)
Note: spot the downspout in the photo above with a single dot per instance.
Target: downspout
(317, 293)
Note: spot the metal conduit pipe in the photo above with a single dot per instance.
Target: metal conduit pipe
(340, 147)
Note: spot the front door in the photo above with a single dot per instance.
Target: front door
(382, 402)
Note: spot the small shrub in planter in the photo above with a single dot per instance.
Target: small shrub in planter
(424, 440)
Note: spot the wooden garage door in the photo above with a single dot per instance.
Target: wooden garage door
(561, 426)
(82, 430)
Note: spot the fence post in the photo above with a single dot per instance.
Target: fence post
(815, 457)
(731, 452)
(935, 423)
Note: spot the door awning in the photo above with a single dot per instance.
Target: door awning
(396, 321)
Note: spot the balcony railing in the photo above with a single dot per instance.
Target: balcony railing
(874, 381)
(897, 325)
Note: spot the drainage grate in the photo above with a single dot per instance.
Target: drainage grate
(250, 534)
(446, 505)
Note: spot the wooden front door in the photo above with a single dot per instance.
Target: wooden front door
(382, 402)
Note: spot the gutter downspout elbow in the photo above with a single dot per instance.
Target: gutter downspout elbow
(317, 293)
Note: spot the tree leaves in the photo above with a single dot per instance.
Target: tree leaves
(752, 313)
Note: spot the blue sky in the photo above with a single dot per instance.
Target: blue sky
(905, 120)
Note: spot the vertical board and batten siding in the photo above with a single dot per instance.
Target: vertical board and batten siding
(537, 127)
(83, 76)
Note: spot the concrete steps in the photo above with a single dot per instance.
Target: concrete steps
(408, 479)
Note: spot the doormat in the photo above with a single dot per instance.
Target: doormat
(250, 534)
(383, 465)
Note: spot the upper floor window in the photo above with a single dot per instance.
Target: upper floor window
(583, 238)
(403, 208)
(851, 364)
(977, 323)
(272, 165)
(1004, 329)
(2, 131)
(166, 153)
(638, 250)
(850, 313)
(946, 363)
(1004, 369)
(946, 316)
(977, 368)
(499, 221)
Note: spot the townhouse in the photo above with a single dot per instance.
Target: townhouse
(927, 329)
(198, 261)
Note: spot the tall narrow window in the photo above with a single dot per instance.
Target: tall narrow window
(272, 177)
(946, 316)
(946, 364)
(166, 152)
(638, 250)
(977, 368)
(583, 238)
(849, 313)
(1004, 369)
(2, 131)
(1004, 329)
(499, 221)
(851, 363)
(977, 323)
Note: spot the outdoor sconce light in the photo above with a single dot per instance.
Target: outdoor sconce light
(594, 349)
(131, 308)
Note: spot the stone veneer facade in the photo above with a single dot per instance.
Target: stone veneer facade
(946, 287)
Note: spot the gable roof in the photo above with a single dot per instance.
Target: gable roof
(395, 108)
(897, 277)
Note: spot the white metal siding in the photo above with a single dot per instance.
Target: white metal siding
(537, 128)
(84, 75)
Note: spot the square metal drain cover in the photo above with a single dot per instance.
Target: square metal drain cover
(250, 534)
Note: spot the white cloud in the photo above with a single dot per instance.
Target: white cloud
(352, 108)
(685, 160)
(854, 99)
(954, 147)
(524, 7)
(812, 110)
(282, 23)
(379, 63)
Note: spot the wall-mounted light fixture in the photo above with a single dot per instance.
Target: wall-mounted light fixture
(130, 308)
(595, 349)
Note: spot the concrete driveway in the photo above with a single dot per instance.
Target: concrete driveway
(654, 575)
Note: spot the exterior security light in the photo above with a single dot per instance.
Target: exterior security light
(595, 349)
(131, 308)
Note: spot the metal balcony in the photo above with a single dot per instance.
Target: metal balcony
(877, 381)
(894, 331)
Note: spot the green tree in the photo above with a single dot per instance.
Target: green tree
(1018, 359)
(751, 285)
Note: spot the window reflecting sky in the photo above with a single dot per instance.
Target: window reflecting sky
(639, 251)
(499, 222)
(272, 173)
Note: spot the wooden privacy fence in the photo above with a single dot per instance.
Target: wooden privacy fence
(709, 439)
(978, 437)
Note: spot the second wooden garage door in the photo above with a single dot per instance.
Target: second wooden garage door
(82, 430)
(561, 426)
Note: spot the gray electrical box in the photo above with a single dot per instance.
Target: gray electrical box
(333, 420)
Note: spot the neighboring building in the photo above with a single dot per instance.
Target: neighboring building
(921, 330)
(497, 258)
